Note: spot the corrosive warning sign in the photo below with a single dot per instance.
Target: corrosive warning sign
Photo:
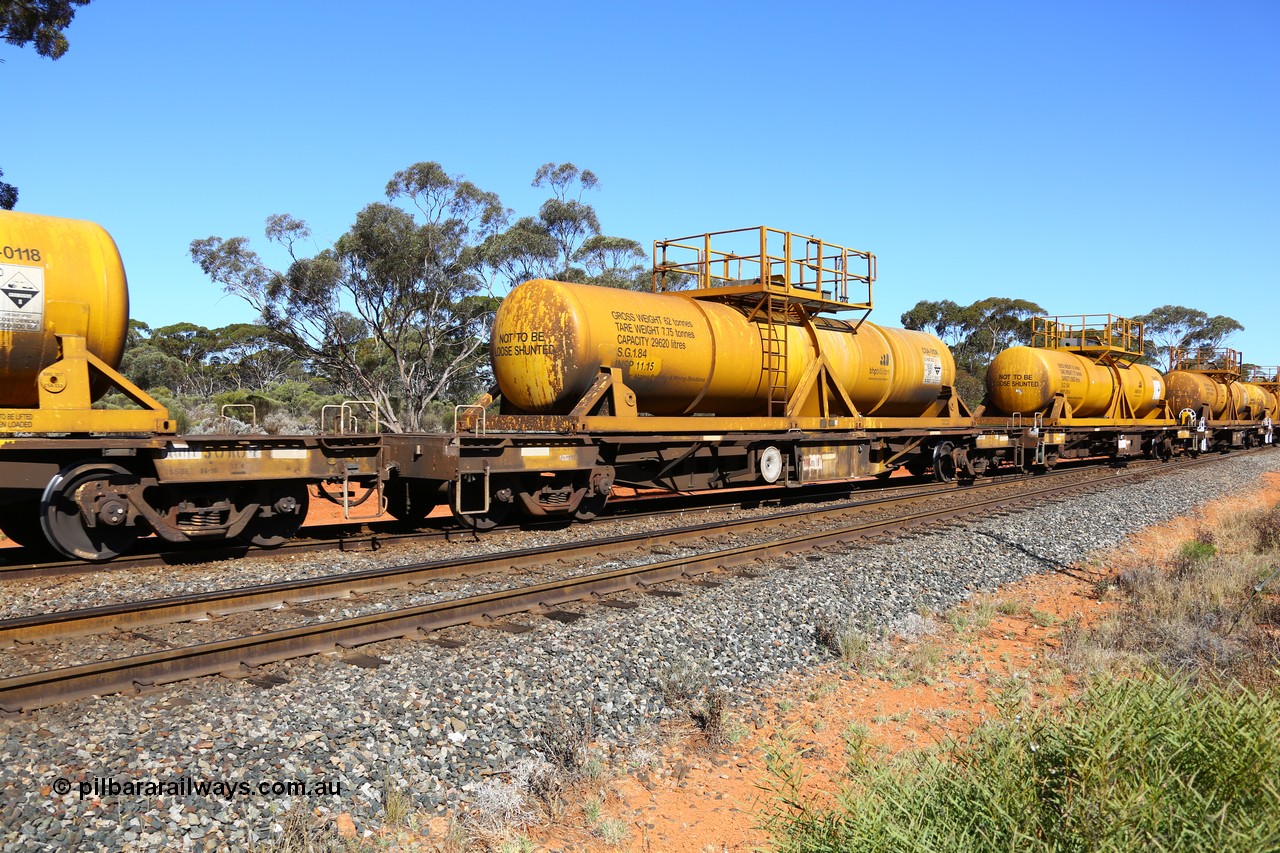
(21, 298)
(932, 370)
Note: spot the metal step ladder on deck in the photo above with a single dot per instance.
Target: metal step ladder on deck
(773, 337)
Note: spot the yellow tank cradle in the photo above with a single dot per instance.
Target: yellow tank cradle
(65, 405)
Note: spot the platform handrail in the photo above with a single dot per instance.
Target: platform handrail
(477, 425)
(719, 264)
(345, 420)
(253, 413)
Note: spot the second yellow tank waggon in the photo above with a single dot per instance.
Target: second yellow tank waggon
(1189, 389)
(686, 356)
(1024, 380)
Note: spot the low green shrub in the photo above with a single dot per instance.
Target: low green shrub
(1154, 763)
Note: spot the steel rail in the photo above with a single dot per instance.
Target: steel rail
(385, 533)
(216, 603)
(234, 656)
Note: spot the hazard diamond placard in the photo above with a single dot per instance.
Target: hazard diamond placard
(21, 298)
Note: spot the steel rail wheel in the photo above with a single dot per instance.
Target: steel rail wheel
(944, 464)
(288, 509)
(590, 506)
(411, 500)
(83, 517)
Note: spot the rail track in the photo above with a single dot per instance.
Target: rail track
(17, 563)
(239, 656)
(376, 535)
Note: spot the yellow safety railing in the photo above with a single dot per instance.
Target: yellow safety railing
(1260, 375)
(1208, 360)
(1096, 333)
(822, 276)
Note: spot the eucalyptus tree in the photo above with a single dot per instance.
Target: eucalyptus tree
(977, 332)
(564, 241)
(40, 22)
(395, 311)
(1170, 328)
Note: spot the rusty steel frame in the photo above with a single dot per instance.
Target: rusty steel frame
(1220, 362)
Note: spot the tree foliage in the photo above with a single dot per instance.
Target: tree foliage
(393, 312)
(192, 360)
(8, 194)
(564, 241)
(975, 333)
(40, 22)
(1170, 328)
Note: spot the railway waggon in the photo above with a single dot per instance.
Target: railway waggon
(752, 362)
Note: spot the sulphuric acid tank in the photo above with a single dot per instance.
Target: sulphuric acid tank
(56, 275)
(1024, 380)
(1189, 389)
(686, 356)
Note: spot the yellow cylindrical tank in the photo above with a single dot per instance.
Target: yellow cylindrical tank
(56, 275)
(1258, 400)
(1189, 390)
(1272, 404)
(1024, 380)
(685, 356)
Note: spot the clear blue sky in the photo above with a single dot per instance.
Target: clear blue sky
(1092, 156)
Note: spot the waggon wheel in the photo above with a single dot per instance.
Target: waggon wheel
(590, 506)
(501, 502)
(944, 464)
(81, 489)
(596, 494)
(288, 507)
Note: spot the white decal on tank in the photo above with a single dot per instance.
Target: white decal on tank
(21, 298)
(1155, 393)
(932, 370)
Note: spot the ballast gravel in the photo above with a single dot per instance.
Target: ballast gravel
(208, 764)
